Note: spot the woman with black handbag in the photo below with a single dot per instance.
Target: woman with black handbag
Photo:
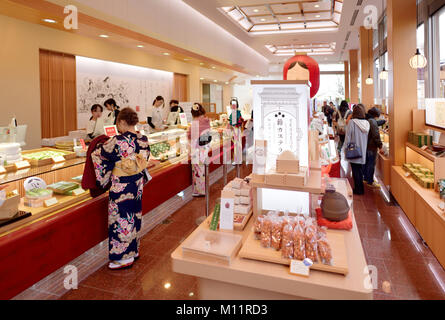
(356, 144)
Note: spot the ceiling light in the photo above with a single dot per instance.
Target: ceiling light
(166, 54)
(140, 46)
(262, 19)
(418, 61)
(317, 6)
(383, 74)
(317, 16)
(201, 78)
(256, 10)
(227, 82)
(290, 18)
(50, 20)
(369, 81)
(167, 285)
(215, 80)
(201, 64)
(104, 36)
(191, 294)
(213, 67)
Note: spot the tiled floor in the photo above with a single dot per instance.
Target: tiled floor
(390, 243)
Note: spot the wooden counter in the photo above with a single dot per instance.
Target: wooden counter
(421, 206)
(249, 279)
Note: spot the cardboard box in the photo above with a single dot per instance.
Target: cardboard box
(244, 200)
(297, 180)
(287, 163)
(10, 208)
(242, 209)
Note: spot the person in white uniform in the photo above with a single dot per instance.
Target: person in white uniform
(96, 124)
(155, 114)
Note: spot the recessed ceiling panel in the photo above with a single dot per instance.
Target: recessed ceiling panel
(292, 16)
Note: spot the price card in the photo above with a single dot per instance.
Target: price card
(58, 159)
(442, 206)
(51, 202)
(424, 148)
(75, 142)
(82, 143)
(111, 131)
(2, 169)
(227, 207)
(407, 174)
(183, 119)
(301, 268)
(78, 192)
(23, 171)
(22, 165)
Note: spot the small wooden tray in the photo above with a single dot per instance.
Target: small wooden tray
(212, 246)
(38, 163)
(252, 249)
(242, 225)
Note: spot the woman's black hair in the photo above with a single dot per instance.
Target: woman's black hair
(374, 112)
(236, 100)
(174, 101)
(111, 102)
(344, 106)
(301, 64)
(158, 98)
(95, 107)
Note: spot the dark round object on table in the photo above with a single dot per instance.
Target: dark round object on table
(334, 206)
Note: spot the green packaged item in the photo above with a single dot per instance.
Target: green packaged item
(63, 187)
(215, 218)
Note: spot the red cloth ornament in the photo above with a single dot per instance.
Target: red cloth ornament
(340, 225)
(314, 71)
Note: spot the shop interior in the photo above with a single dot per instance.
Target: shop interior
(275, 211)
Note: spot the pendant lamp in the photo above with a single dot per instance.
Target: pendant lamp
(418, 61)
(369, 81)
(383, 74)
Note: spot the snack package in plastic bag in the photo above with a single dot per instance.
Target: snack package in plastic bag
(324, 248)
(299, 240)
(277, 229)
(287, 244)
(266, 232)
(258, 225)
(311, 240)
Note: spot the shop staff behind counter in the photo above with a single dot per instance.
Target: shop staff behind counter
(155, 114)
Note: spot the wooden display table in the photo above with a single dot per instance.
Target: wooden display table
(250, 279)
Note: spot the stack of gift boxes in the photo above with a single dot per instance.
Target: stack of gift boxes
(243, 195)
(288, 172)
(423, 176)
(420, 139)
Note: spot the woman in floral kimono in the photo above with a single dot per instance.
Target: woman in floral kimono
(123, 160)
(199, 138)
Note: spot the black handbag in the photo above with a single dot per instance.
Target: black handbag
(353, 151)
(205, 139)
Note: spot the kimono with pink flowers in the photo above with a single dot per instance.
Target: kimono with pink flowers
(125, 195)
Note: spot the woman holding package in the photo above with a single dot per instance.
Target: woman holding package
(200, 138)
(355, 146)
(123, 160)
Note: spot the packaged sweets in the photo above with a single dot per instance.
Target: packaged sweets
(287, 244)
(324, 249)
(277, 229)
(298, 237)
(266, 232)
(311, 240)
(258, 226)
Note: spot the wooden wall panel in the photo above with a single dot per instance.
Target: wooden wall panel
(180, 87)
(57, 93)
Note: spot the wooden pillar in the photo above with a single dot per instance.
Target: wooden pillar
(347, 95)
(367, 61)
(353, 75)
(402, 26)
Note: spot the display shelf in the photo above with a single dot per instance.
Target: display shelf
(34, 171)
(418, 155)
(313, 185)
(383, 167)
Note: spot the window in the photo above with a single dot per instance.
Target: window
(438, 54)
(421, 72)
